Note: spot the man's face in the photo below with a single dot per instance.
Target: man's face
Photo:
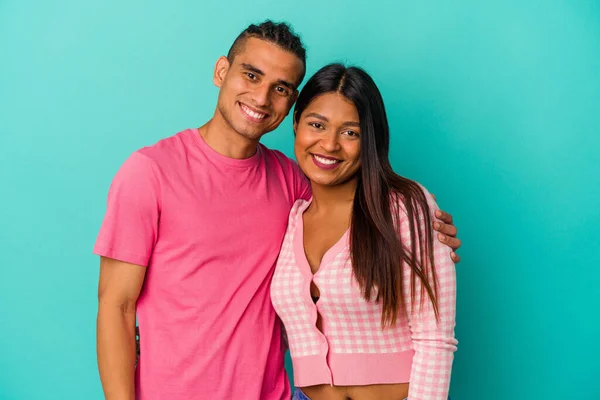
(258, 88)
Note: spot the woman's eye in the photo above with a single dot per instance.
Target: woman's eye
(316, 125)
(351, 133)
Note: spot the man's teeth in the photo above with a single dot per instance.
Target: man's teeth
(325, 160)
(252, 113)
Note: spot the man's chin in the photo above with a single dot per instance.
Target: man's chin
(251, 134)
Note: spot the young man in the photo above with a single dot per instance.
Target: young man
(190, 238)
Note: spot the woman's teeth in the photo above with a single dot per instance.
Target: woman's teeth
(327, 161)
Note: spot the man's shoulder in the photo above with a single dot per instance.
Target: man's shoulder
(272, 155)
(291, 173)
(166, 149)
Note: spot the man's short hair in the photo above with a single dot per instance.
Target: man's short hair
(278, 33)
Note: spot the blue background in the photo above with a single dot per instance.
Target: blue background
(494, 106)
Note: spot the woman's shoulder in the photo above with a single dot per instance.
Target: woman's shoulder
(399, 199)
(297, 209)
(300, 204)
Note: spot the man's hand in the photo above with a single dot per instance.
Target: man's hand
(447, 233)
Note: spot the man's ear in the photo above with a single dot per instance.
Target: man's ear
(295, 123)
(221, 68)
(293, 99)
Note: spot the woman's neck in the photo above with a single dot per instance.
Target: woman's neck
(331, 199)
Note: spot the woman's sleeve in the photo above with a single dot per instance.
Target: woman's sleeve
(433, 340)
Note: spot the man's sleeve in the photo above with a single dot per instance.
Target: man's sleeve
(130, 226)
(301, 184)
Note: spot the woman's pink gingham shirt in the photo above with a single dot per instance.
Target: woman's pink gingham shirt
(352, 348)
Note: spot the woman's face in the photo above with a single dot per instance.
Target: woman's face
(327, 144)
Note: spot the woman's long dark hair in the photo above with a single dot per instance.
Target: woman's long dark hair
(375, 243)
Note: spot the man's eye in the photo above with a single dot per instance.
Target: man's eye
(281, 90)
(251, 75)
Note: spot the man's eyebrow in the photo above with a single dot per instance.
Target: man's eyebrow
(287, 84)
(324, 119)
(257, 71)
(252, 68)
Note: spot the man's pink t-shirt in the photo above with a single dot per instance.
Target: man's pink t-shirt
(209, 229)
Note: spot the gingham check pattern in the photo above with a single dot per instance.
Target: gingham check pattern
(353, 325)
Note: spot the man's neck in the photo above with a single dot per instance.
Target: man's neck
(224, 140)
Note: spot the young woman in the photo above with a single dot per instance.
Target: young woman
(366, 295)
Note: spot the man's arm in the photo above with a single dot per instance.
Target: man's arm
(118, 290)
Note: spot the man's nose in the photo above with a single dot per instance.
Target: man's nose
(261, 96)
